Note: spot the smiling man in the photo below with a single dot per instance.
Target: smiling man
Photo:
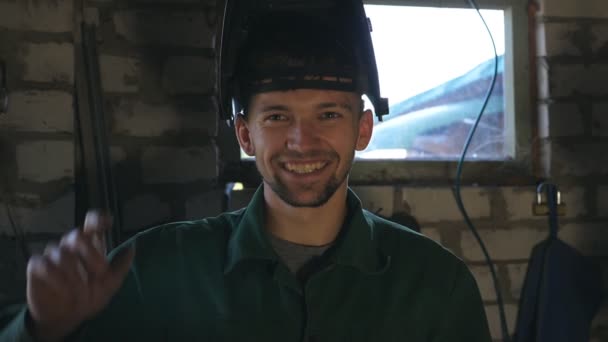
(302, 262)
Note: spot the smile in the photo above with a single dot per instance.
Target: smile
(304, 168)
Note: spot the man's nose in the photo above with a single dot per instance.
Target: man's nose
(303, 135)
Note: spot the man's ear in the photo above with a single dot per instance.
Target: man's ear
(366, 127)
(241, 128)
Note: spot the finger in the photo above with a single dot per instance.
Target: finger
(93, 261)
(42, 273)
(95, 225)
(69, 265)
(119, 268)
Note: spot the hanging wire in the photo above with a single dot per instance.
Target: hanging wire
(458, 181)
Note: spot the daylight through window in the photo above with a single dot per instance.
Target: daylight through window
(435, 66)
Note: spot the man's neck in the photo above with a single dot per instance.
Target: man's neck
(303, 225)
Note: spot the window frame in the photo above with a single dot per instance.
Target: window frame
(518, 124)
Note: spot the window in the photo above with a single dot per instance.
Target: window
(435, 66)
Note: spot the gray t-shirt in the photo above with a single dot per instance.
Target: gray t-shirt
(294, 255)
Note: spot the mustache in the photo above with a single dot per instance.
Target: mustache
(314, 154)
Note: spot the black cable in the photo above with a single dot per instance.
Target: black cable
(457, 184)
(19, 233)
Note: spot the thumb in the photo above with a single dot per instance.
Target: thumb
(119, 267)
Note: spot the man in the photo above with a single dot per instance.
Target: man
(303, 261)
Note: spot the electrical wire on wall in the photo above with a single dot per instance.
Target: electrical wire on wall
(458, 181)
(20, 237)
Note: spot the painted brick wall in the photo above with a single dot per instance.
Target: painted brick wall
(157, 70)
(37, 153)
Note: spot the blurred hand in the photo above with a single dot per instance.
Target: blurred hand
(73, 281)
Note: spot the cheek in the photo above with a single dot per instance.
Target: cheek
(266, 143)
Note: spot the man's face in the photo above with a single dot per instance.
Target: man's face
(304, 141)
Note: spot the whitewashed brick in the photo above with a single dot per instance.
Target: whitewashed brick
(569, 8)
(574, 199)
(119, 74)
(185, 74)
(207, 204)
(483, 276)
(578, 158)
(153, 120)
(49, 62)
(432, 233)
(377, 199)
(162, 28)
(588, 238)
(54, 217)
(179, 165)
(602, 201)
(44, 161)
(568, 79)
(494, 319)
(566, 38)
(39, 111)
(519, 202)
(32, 15)
(517, 276)
(563, 119)
(600, 120)
(558, 39)
(502, 244)
(438, 204)
(144, 212)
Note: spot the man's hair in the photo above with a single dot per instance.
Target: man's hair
(286, 51)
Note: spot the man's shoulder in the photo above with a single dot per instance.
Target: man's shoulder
(404, 243)
(210, 231)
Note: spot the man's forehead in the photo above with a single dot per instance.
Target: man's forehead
(306, 97)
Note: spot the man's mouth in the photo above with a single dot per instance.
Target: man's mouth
(304, 168)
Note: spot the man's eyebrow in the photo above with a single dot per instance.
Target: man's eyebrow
(271, 108)
(326, 105)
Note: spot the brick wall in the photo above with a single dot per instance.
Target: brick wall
(157, 70)
(157, 73)
(573, 72)
(37, 153)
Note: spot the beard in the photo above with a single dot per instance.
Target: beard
(322, 193)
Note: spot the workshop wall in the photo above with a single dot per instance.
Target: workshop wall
(158, 79)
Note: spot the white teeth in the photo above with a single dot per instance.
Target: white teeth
(304, 168)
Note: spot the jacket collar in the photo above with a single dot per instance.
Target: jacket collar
(356, 245)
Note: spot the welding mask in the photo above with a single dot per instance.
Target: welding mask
(285, 44)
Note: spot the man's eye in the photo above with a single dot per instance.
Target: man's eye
(276, 117)
(330, 115)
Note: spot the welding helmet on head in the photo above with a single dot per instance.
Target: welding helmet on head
(268, 45)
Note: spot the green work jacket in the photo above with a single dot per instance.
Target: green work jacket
(219, 279)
